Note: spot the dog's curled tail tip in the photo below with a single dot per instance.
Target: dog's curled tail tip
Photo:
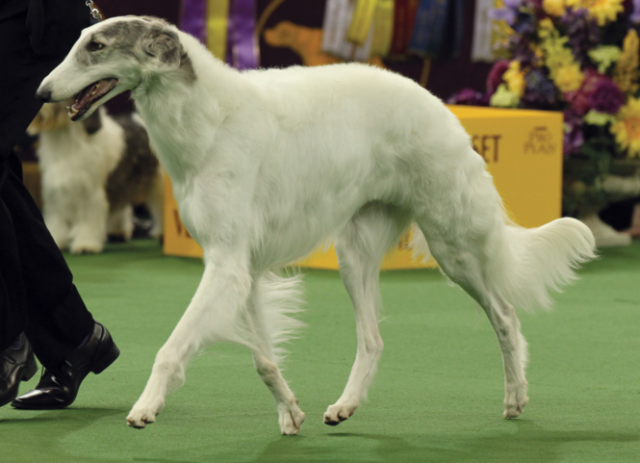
(540, 259)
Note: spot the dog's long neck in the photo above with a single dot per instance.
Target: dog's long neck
(184, 109)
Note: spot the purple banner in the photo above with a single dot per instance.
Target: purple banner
(242, 47)
(193, 19)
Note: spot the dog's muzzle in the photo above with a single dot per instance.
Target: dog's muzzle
(44, 94)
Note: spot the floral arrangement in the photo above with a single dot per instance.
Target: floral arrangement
(579, 57)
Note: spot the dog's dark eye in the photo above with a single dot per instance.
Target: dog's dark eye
(95, 46)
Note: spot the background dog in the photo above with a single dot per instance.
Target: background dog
(92, 175)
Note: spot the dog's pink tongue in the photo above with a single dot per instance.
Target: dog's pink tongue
(93, 93)
(85, 96)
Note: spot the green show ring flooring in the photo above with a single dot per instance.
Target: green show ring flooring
(437, 396)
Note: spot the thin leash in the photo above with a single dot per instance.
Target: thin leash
(94, 11)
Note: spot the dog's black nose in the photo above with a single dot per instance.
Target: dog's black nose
(44, 94)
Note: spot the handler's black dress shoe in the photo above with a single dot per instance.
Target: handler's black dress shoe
(60, 390)
(15, 365)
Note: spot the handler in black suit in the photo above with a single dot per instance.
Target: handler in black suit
(41, 311)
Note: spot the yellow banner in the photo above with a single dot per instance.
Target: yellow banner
(382, 28)
(361, 21)
(217, 14)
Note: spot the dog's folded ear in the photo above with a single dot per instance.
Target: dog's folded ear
(164, 45)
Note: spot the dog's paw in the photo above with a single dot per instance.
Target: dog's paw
(291, 420)
(86, 247)
(514, 401)
(338, 412)
(156, 232)
(141, 415)
(62, 241)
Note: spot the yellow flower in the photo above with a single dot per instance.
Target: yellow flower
(501, 33)
(603, 11)
(554, 7)
(504, 98)
(537, 50)
(563, 69)
(568, 78)
(627, 127)
(545, 25)
(593, 117)
(626, 71)
(605, 56)
(514, 78)
(557, 55)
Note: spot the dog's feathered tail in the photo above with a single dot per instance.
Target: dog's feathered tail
(523, 265)
(280, 297)
(533, 261)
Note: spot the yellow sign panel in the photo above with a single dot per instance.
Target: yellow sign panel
(177, 240)
(523, 152)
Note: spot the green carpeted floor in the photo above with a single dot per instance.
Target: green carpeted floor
(437, 396)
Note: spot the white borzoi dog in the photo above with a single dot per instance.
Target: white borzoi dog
(93, 174)
(268, 164)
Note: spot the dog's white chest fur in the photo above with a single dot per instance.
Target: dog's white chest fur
(299, 154)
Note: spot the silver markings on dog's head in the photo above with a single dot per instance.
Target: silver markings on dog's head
(113, 56)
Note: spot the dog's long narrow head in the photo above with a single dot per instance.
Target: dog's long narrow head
(111, 57)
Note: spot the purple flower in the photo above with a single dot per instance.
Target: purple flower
(635, 15)
(583, 33)
(535, 4)
(540, 91)
(607, 97)
(572, 142)
(521, 51)
(468, 96)
(503, 14)
(495, 75)
(573, 137)
(515, 4)
(507, 13)
(580, 99)
(524, 24)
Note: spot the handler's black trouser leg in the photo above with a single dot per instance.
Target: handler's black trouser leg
(37, 294)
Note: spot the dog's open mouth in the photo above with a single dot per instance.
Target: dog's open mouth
(90, 95)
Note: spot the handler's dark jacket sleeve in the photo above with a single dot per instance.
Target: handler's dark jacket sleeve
(35, 36)
(54, 25)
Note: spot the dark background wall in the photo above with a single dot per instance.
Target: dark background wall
(447, 74)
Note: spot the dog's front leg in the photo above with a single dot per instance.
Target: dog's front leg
(58, 227)
(214, 314)
(90, 230)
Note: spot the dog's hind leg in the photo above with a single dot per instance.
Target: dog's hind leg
(216, 313)
(466, 265)
(360, 248)
(120, 223)
(505, 323)
(272, 297)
